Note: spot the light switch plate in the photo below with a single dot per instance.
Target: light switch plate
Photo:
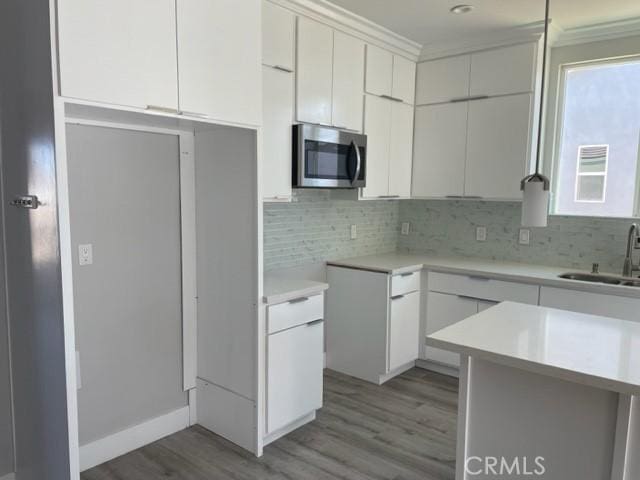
(354, 232)
(405, 228)
(481, 234)
(85, 254)
(524, 236)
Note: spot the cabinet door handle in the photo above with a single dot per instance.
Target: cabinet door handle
(158, 108)
(315, 322)
(393, 99)
(397, 297)
(194, 114)
(408, 274)
(388, 196)
(298, 300)
(479, 279)
(469, 99)
(466, 297)
(283, 69)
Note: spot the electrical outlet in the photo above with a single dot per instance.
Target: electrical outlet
(85, 254)
(354, 232)
(405, 228)
(481, 234)
(524, 236)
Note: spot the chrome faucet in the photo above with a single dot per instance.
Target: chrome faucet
(629, 266)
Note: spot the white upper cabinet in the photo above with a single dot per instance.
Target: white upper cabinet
(277, 100)
(404, 80)
(314, 72)
(377, 127)
(504, 71)
(439, 154)
(498, 146)
(348, 79)
(443, 80)
(379, 73)
(278, 37)
(219, 58)
(400, 149)
(120, 52)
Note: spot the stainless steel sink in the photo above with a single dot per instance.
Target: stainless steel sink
(597, 278)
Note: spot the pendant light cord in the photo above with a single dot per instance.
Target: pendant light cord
(542, 87)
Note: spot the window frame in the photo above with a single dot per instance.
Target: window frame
(592, 174)
(556, 130)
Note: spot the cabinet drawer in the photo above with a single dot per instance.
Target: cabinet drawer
(405, 283)
(483, 288)
(296, 312)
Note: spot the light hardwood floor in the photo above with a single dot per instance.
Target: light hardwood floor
(404, 429)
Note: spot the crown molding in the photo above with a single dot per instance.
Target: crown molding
(532, 32)
(353, 24)
(597, 32)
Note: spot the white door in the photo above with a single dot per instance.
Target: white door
(277, 97)
(219, 58)
(503, 71)
(314, 72)
(498, 146)
(443, 80)
(120, 52)
(294, 374)
(404, 330)
(439, 150)
(348, 82)
(377, 127)
(278, 36)
(404, 79)
(442, 311)
(379, 71)
(401, 149)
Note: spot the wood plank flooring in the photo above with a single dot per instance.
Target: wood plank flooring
(402, 430)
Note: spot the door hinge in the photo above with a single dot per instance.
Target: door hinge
(26, 201)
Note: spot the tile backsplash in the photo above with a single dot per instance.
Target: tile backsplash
(315, 228)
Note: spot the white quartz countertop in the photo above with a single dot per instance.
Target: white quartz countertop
(282, 289)
(597, 351)
(396, 263)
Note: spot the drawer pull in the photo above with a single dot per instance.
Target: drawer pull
(479, 279)
(298, 300)
(466, 297)
(315, 322)
(397, 297)
(407, 274)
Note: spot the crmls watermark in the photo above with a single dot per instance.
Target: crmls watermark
(524, 466)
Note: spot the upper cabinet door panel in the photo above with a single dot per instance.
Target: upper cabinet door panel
(120, 52)
(504, 70)
(404, 79)
(443, 80)
(377, 127)
(314, 72)
(439, 150)
(498, 146)
(278, 36)
(379, 76)
(401, 149)
(219, 59)
(348, 82)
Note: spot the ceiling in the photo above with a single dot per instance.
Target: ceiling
(429, 21)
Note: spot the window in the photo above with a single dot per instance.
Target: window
(591, 179)
(596, 154)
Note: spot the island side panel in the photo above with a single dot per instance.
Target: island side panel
(515, 414)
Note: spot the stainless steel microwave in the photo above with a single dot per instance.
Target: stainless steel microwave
(326, 157)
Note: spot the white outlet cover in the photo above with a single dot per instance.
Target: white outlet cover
(524, 236)
(405, 228)
(354, 232)
(85, 254)
(481, 234)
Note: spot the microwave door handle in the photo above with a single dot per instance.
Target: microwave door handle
(356, 175)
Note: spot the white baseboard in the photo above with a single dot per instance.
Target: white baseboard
(8, 476)
(108, 448)
(438, 368)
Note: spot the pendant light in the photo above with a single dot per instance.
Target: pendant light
(535, 187)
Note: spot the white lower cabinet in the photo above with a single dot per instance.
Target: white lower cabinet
(373, 322)
(295, 347)
(623, 308)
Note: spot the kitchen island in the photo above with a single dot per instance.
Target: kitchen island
(546, 393)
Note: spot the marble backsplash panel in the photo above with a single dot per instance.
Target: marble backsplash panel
(447, 228)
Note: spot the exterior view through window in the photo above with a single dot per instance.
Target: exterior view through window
(597, 152)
